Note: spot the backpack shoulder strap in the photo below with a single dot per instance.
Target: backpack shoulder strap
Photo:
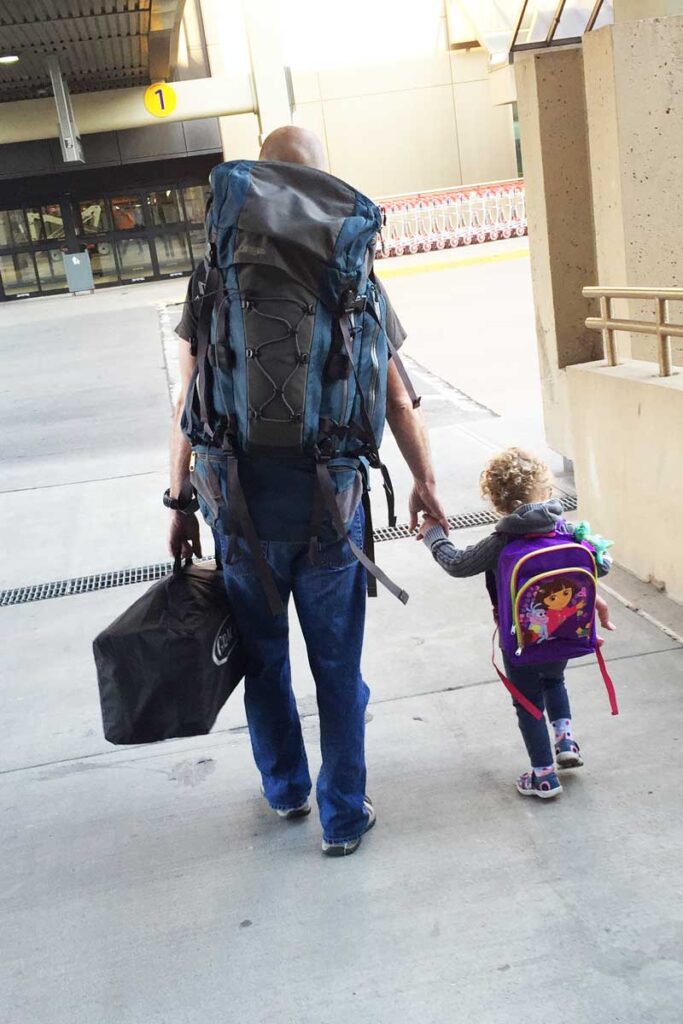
(490, 579)
(347, 328)
(240, 512)
(211, 299)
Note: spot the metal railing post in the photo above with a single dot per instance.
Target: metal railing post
(608, 341)
(663, 339)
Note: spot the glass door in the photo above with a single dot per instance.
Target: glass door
(18, 273)
(130, 236)
(171, 246)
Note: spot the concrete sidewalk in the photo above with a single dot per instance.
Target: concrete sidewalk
(152, 884)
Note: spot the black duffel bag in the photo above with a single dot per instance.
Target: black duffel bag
(167, 665)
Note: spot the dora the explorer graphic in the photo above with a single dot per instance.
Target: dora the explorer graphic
(556, 598)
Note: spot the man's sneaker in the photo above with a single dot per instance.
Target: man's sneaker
(568, 754)
(548, 786)
(292, 813)
(346, 849)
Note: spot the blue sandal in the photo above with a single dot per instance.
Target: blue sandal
(528, 784)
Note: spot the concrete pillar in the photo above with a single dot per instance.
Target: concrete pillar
(247, 37)
(552, 114)
(634, 101)
(228, 52)
(264, 31)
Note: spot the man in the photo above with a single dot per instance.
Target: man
(329, 594)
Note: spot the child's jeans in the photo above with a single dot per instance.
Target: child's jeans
(544, 686)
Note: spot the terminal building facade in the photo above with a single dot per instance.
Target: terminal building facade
(407, 109)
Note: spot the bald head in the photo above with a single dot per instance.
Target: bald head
(294, 145)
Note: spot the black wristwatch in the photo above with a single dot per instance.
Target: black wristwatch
(187, 509)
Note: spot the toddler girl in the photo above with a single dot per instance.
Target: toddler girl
(519, 486)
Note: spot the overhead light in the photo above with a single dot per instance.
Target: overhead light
(9, 58)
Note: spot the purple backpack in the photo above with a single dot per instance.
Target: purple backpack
(546, 586)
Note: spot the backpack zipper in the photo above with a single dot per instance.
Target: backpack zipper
(534, 579)
(532, 554)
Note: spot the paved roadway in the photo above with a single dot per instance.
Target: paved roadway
(152, 885)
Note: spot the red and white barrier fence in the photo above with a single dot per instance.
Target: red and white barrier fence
(452, 217)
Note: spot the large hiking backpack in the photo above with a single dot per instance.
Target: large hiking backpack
(546, 588)
(292, 347)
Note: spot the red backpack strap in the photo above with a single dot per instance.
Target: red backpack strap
(609, 685)
(516, 694)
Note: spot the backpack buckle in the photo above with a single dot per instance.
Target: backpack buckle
(352, 303)
(324, 450)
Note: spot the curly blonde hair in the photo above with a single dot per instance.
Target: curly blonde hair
(515, 477)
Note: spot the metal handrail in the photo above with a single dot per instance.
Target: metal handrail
(555, 23)
(663, 329)
(594, 15)
(550, 40)
(518, 26)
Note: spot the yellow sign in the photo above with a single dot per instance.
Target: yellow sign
(160, 99)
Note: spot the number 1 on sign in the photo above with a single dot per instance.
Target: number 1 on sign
(160, 99)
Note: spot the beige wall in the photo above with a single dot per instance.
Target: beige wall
(625, 10)
(561, 235)
(634, 95)
(627, 426)
(415, 125)
(406, 125)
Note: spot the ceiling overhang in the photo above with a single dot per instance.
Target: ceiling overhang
(100, 44)
(164, 32)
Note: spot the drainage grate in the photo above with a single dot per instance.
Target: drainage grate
(462, 522)
(150, 573)
(85, 584)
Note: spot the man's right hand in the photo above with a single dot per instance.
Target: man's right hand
(183, 536)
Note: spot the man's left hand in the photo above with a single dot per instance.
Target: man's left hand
(425, 499)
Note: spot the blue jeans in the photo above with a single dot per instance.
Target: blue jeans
(330, 602)
(544, 686)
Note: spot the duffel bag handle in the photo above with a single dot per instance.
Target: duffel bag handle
(178, 564)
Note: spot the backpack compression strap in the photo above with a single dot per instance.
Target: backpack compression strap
(329, 497)
(369, 541)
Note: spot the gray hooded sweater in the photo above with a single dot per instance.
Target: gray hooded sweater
(539, 517)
